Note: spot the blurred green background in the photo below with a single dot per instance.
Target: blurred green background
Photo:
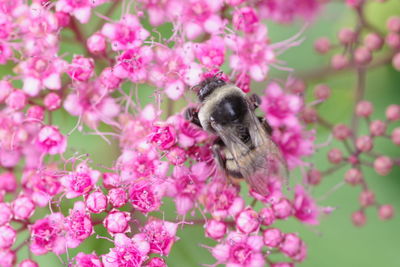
(335, 242)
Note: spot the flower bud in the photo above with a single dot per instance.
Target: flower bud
(322, 45)
(396, 136)
(364, 143)
(17, 100)
(28, 263)
(282, 209)
(335, 156)
(5, 213)
(339, 61)
(373, 41)
(23, 208)
(314, 177)
(96, 43)
(364, 108)
(383, 165)
(393, 24)
(362, 56)
(367, 198)
(393, 40)
(117, 222)
(386, 212)
(81, 68)
(353, 176)
(393, 111)
(117, 197)
(309, 115)
(35, 113)
(52, 101)
(272, 237)
(96, 202)
(396, 61)
(341, 132)
(322, 92)
(8, 182)
(346, 36)
(7, 237)
(215, 229)
(290, 245)
(359, 219)
(377, 128)
(7, 257)
(247, 221)
(267, 216)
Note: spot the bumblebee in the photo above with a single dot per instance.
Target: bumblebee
(243, 148)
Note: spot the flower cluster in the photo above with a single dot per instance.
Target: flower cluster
(61, 199)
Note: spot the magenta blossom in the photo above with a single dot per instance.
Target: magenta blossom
(51, 141)
(240, 250)
(304, 206)
(78, 225)
(127, 252)
(79, 182)
(161, 235)
(281, 109)
(47, 234)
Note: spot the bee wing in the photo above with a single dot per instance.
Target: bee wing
(262, 163)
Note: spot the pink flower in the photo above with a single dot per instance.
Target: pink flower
(281, 109)
(161, 235)
(81, 68)
(40, 72)
(133, 64)
(163, 136)
(78, 225)
(304, 206)
(245, 19)
(127, 252)
(51, 141)
(200, 16)
(125, 34)
(81, 9)
(187, 185)
(222, 200)
(47, 234)
(189, 134)
(144, 197)
(79, 182)
(240, 250)
(252, 54)
(294, 144)
(211, 53)
(87, 260)
(286, 11)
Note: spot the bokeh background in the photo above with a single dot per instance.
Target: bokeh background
(335, 242)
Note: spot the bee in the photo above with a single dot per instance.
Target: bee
(243, 147)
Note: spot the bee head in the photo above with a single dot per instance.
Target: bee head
(207, 87)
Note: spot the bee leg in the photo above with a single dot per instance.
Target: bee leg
(266, 125)
(255, 100)
(192, 115)
(216, 150)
